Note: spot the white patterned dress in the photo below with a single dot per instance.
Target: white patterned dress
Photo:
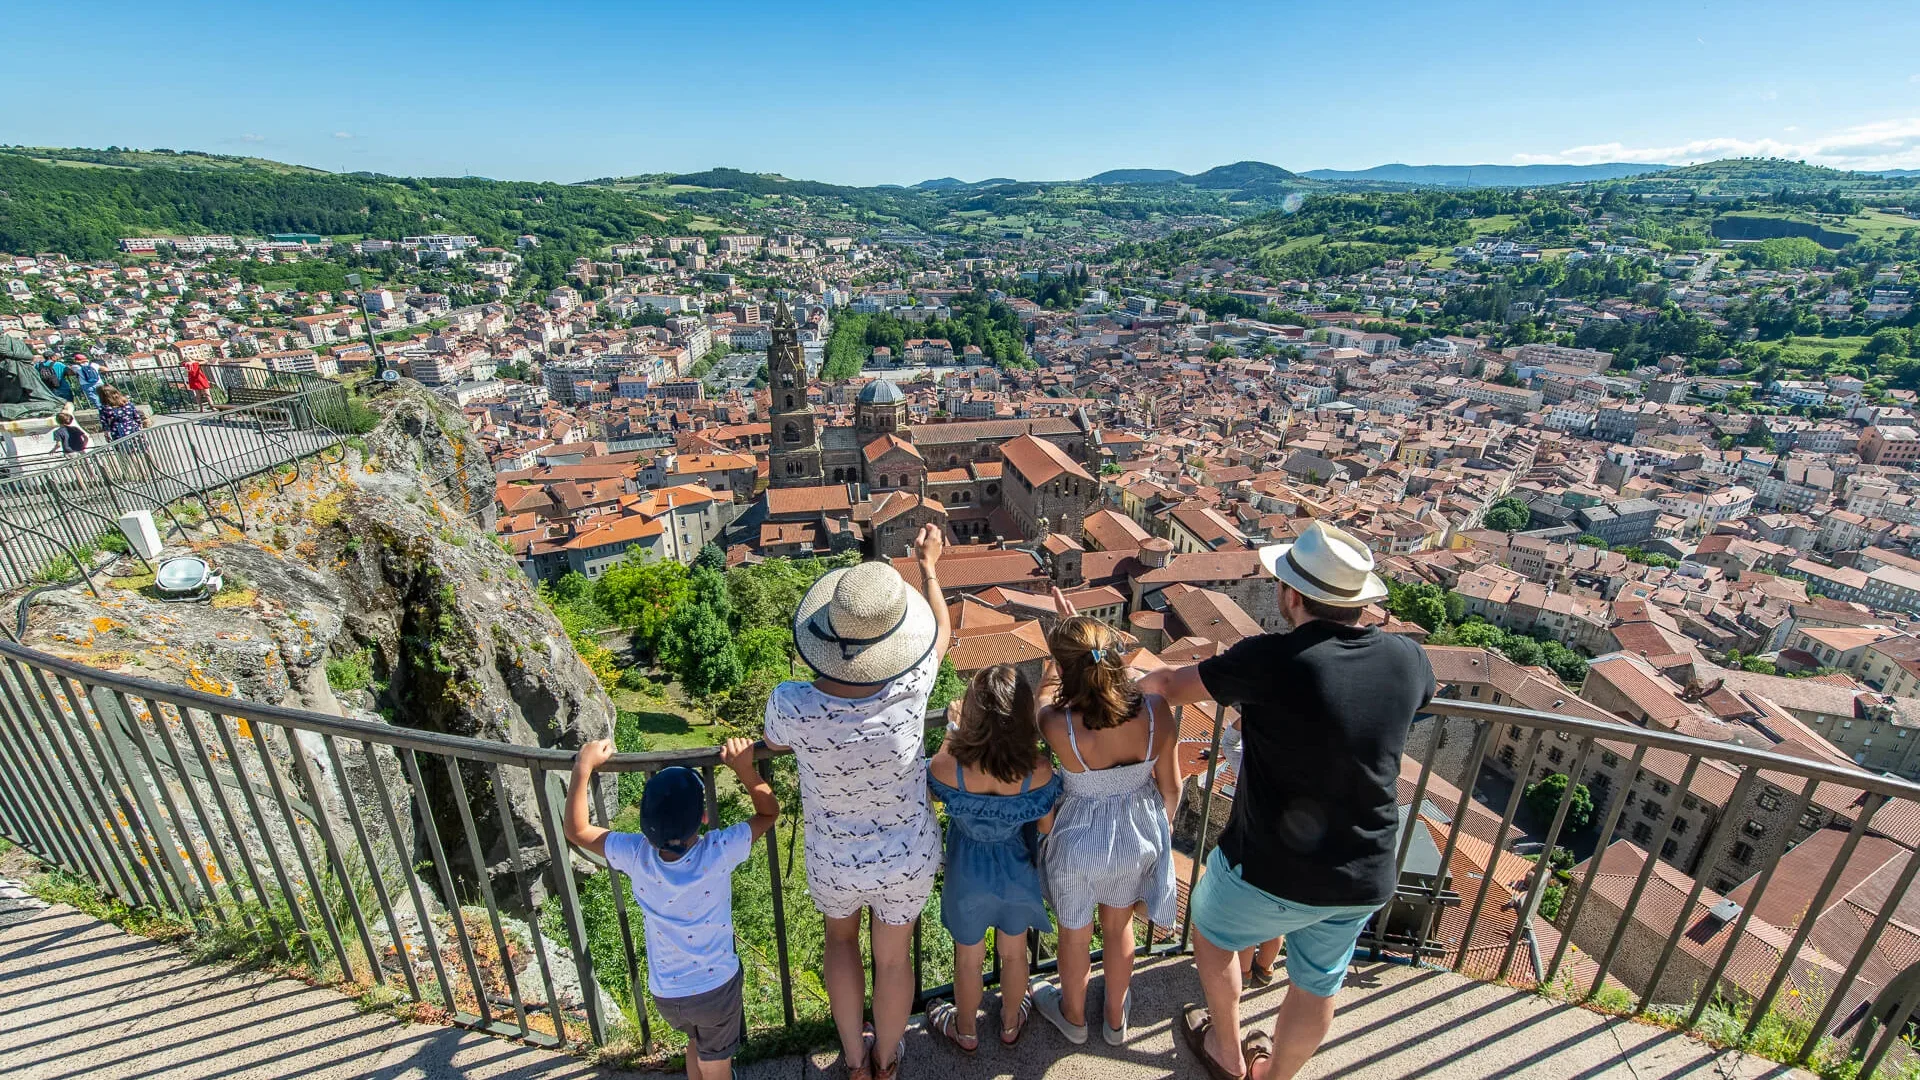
(871, 837)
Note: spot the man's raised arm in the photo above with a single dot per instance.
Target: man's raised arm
(1177, 685)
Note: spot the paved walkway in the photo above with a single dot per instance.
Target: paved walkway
(83, 1000)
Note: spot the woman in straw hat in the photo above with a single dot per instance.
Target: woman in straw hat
(857, 733)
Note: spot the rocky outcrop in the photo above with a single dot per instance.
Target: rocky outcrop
(383, 569)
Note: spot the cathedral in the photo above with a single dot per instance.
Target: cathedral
(981, 480)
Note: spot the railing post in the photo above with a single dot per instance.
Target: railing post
(1206, 817)
(560, 860)
(517, 867)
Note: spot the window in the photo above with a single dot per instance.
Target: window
(1846, 723)
(1473, 691)
(1742, 852)
(1651, 810)
(1609, 758)
(1669, 849)
(1554, 755)
(1643, 833)
(1769, 799)
(1679, 826)
(1810, 821)
(1754, 829)
(1513, 731)
(1661, 787)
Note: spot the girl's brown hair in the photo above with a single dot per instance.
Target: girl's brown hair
(112, 396)
(1093, 677)
(999, 729)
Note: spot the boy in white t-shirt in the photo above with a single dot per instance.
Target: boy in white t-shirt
(683, 884)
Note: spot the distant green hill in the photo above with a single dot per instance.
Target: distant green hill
(1136, 176)
(1241, 174)
(84, 211)
(185, 160)
(1473, 176)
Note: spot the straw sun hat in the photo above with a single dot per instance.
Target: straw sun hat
(1327, 565)
(863, 625)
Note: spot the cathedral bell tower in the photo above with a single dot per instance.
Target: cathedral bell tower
(794, 460)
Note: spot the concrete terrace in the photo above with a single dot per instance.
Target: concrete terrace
(83, 1000)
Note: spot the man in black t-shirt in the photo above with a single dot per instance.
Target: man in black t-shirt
(1309, 850)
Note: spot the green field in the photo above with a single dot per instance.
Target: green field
(1803, 351)
(666, 725)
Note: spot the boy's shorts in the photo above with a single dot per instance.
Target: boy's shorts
(710, 1021)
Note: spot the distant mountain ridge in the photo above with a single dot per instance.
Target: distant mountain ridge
(1136, 176)
(1487, 175)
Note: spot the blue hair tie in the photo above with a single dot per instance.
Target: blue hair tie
(1097, 654)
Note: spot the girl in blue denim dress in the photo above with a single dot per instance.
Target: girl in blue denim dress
(998, 785)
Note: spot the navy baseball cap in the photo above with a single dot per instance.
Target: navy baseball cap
(671, 806)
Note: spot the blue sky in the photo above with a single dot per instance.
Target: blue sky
(897, 92)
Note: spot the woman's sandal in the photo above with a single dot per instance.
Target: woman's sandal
(1255, 1047)
(1011, 1035)
(944, 1018)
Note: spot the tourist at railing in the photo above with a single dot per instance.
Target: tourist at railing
(118, 414)
(682, 882)
(88, 372)
(53, 375)
(1309, 849)
(857, 734)
(1111, 846)
(999, 788)
(198, 384)
(68, 437)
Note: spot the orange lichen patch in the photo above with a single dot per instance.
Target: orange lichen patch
(245, 729)
(205, 683)
(103, 625)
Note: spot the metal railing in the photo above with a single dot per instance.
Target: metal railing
(54, 509)
(425, 862)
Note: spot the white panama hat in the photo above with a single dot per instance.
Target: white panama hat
(863, 625)
(1327, 565)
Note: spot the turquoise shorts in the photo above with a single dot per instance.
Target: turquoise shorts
(1235, 915)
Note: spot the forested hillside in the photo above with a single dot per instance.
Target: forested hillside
(83, 212)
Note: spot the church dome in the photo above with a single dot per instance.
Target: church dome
(881, 392)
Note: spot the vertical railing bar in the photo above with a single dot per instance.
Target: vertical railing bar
(241, 843)
(431, 826)
(35, 802)
(1870, 805)
(336, 856)
(1206, 816)
(422, 916)
(208, 830)
(1867, 943)
(137, 834)
(1482, 740)
(86, 861)
(560, 860)
(1498, 845)
(1616, 804)
(484, 876)
(327, 922)
(129, 861)
(597, 789)
(1667, 810)
(218, 721)
(1804, 800)
(1720, 835)
(511, 830)
(374, 872)
(779, 910)
(1890, 1034)
(1544, 873)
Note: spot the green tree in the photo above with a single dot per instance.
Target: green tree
(704, 656)
(1507, 515)
(643, 596)
(1543, 799)
(766, 648)
(710, 557)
